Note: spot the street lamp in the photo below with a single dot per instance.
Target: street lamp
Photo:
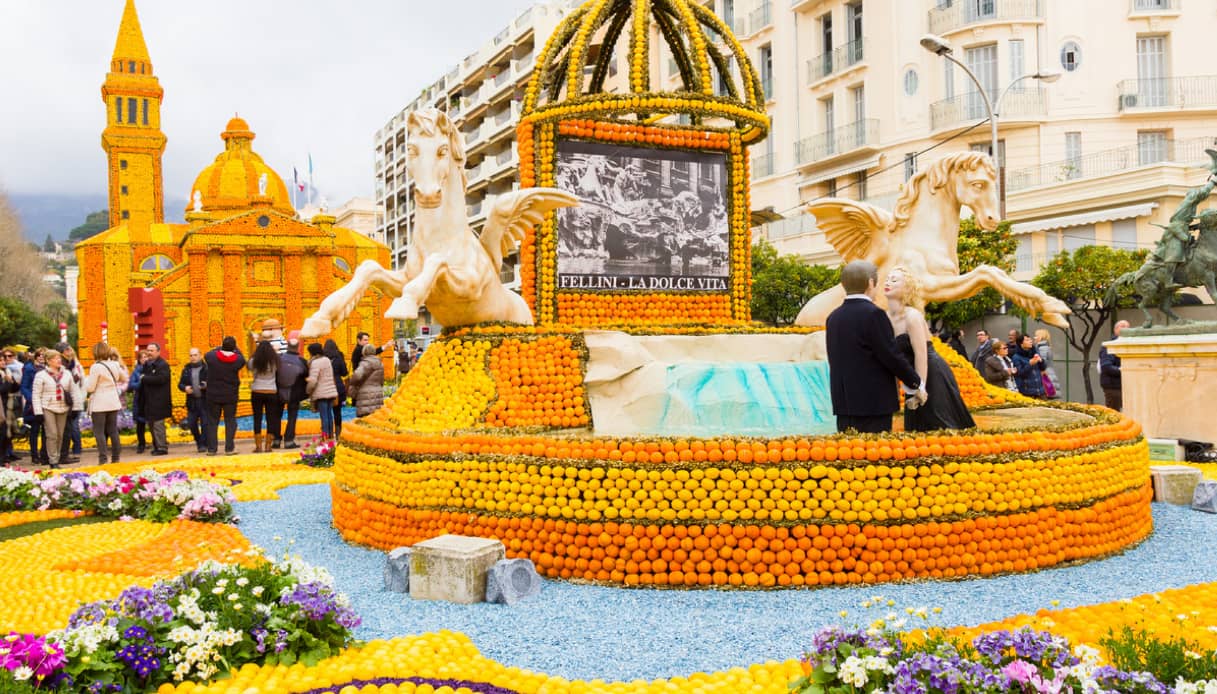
(939, 46)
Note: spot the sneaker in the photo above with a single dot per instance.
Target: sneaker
(232, 452)
(277, 443)
(139, 450)
(291, 444)
(156, 452)
(201, 450)
(211, 453)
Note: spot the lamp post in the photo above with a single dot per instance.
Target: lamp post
(939, 46)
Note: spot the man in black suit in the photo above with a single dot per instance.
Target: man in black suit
(863, 360)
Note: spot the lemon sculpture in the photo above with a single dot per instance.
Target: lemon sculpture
(643, 431)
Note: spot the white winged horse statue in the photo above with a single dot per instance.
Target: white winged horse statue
(922, 234)
(448, 268)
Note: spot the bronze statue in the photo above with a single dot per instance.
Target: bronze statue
(1178, 260)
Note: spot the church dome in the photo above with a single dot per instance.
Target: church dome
(230, 183)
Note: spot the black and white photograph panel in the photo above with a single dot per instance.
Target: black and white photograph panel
(648, 219)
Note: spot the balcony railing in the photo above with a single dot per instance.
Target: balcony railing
(840, 140)
(502, 36)
(763, 165)
(1154, 6)
(476, 173)
(761, 17)
(475, 209)
(1110, 161)
(1168, 92)
(524, 19)
(523, 64)
(836, 60)
(1017, 103)
(966, 12)
(503, 77)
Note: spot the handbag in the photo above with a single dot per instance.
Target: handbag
(1049, 389)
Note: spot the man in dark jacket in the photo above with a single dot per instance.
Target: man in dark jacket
(984, 350)
(35, 362)
(363, 339)
(1110, 378)
(224, 364)
(291, 377)
(158, 397)
(863, 360)
(193, 382)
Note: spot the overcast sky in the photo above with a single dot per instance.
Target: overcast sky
(317, 76)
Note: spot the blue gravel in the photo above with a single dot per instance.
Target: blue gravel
(246, 423)
(588, 632)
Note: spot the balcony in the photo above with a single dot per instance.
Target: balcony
(524, 20)
(1017, 104)
(474, 210)
(761, 17)
(964, 13)
(523, 64)
(838, 141)
(1109, 162)
(837, 60)
(1154, 6)
(763, 165)
(1168, 92)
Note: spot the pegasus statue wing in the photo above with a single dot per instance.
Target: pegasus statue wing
(857, 230)
(513, 213)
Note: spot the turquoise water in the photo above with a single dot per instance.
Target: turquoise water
(746, 399)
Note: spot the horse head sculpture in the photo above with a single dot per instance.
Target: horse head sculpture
(435, 150)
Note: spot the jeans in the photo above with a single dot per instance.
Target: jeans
(268, 403)
(293, 409)
(105, 429)
(196, 421)
(214, 411)
(70, 443)
(325, 410)
(160, 442)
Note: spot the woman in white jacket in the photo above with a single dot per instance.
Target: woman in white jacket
(106, 382)
(52, 395)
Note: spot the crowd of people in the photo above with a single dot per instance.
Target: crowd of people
(44, 392)
(1023, 363)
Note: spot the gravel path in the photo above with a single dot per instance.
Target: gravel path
(589, 632)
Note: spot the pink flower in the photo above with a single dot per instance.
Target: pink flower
(1020, 671)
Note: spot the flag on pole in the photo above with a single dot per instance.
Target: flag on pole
(296, 179)
(310, 178)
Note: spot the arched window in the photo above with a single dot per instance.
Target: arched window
(342, 264)
(156, 263)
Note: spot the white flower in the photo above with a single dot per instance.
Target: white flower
(1183, 687)
(218, 590)
(233, 597)
(1088, 654)
(22, 673)
(878, 664)
(242, 581)
(257, 591)
(853, 671)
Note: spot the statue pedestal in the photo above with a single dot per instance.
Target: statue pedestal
(1166, 381)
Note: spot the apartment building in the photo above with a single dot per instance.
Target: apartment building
(1096, 156)
(482, 95)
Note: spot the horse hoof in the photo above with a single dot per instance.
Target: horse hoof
(402, 308)
(315, 327)
(1056, 320)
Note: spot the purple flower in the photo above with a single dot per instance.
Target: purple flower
(317, 601)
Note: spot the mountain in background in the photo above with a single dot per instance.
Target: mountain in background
(57, 214)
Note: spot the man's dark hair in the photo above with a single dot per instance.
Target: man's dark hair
(360, 335)
(229, 344)
(857, 276)
(982, 330)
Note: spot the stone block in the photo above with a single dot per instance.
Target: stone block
(1205, 496)
(512, 580)
(1174, 484)
(397, 570)
(452, 568)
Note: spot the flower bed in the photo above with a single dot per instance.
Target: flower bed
(251, 477)
(191, 628)
(149, 495)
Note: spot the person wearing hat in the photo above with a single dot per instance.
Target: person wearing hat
(272, 332)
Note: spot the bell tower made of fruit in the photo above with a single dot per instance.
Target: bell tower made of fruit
(133, 140)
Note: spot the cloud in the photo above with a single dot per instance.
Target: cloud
(309, 76)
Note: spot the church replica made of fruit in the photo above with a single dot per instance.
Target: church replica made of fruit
(242, 256)
(607, 443)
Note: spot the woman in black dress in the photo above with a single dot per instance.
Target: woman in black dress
(944, 409)
(340, 379)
